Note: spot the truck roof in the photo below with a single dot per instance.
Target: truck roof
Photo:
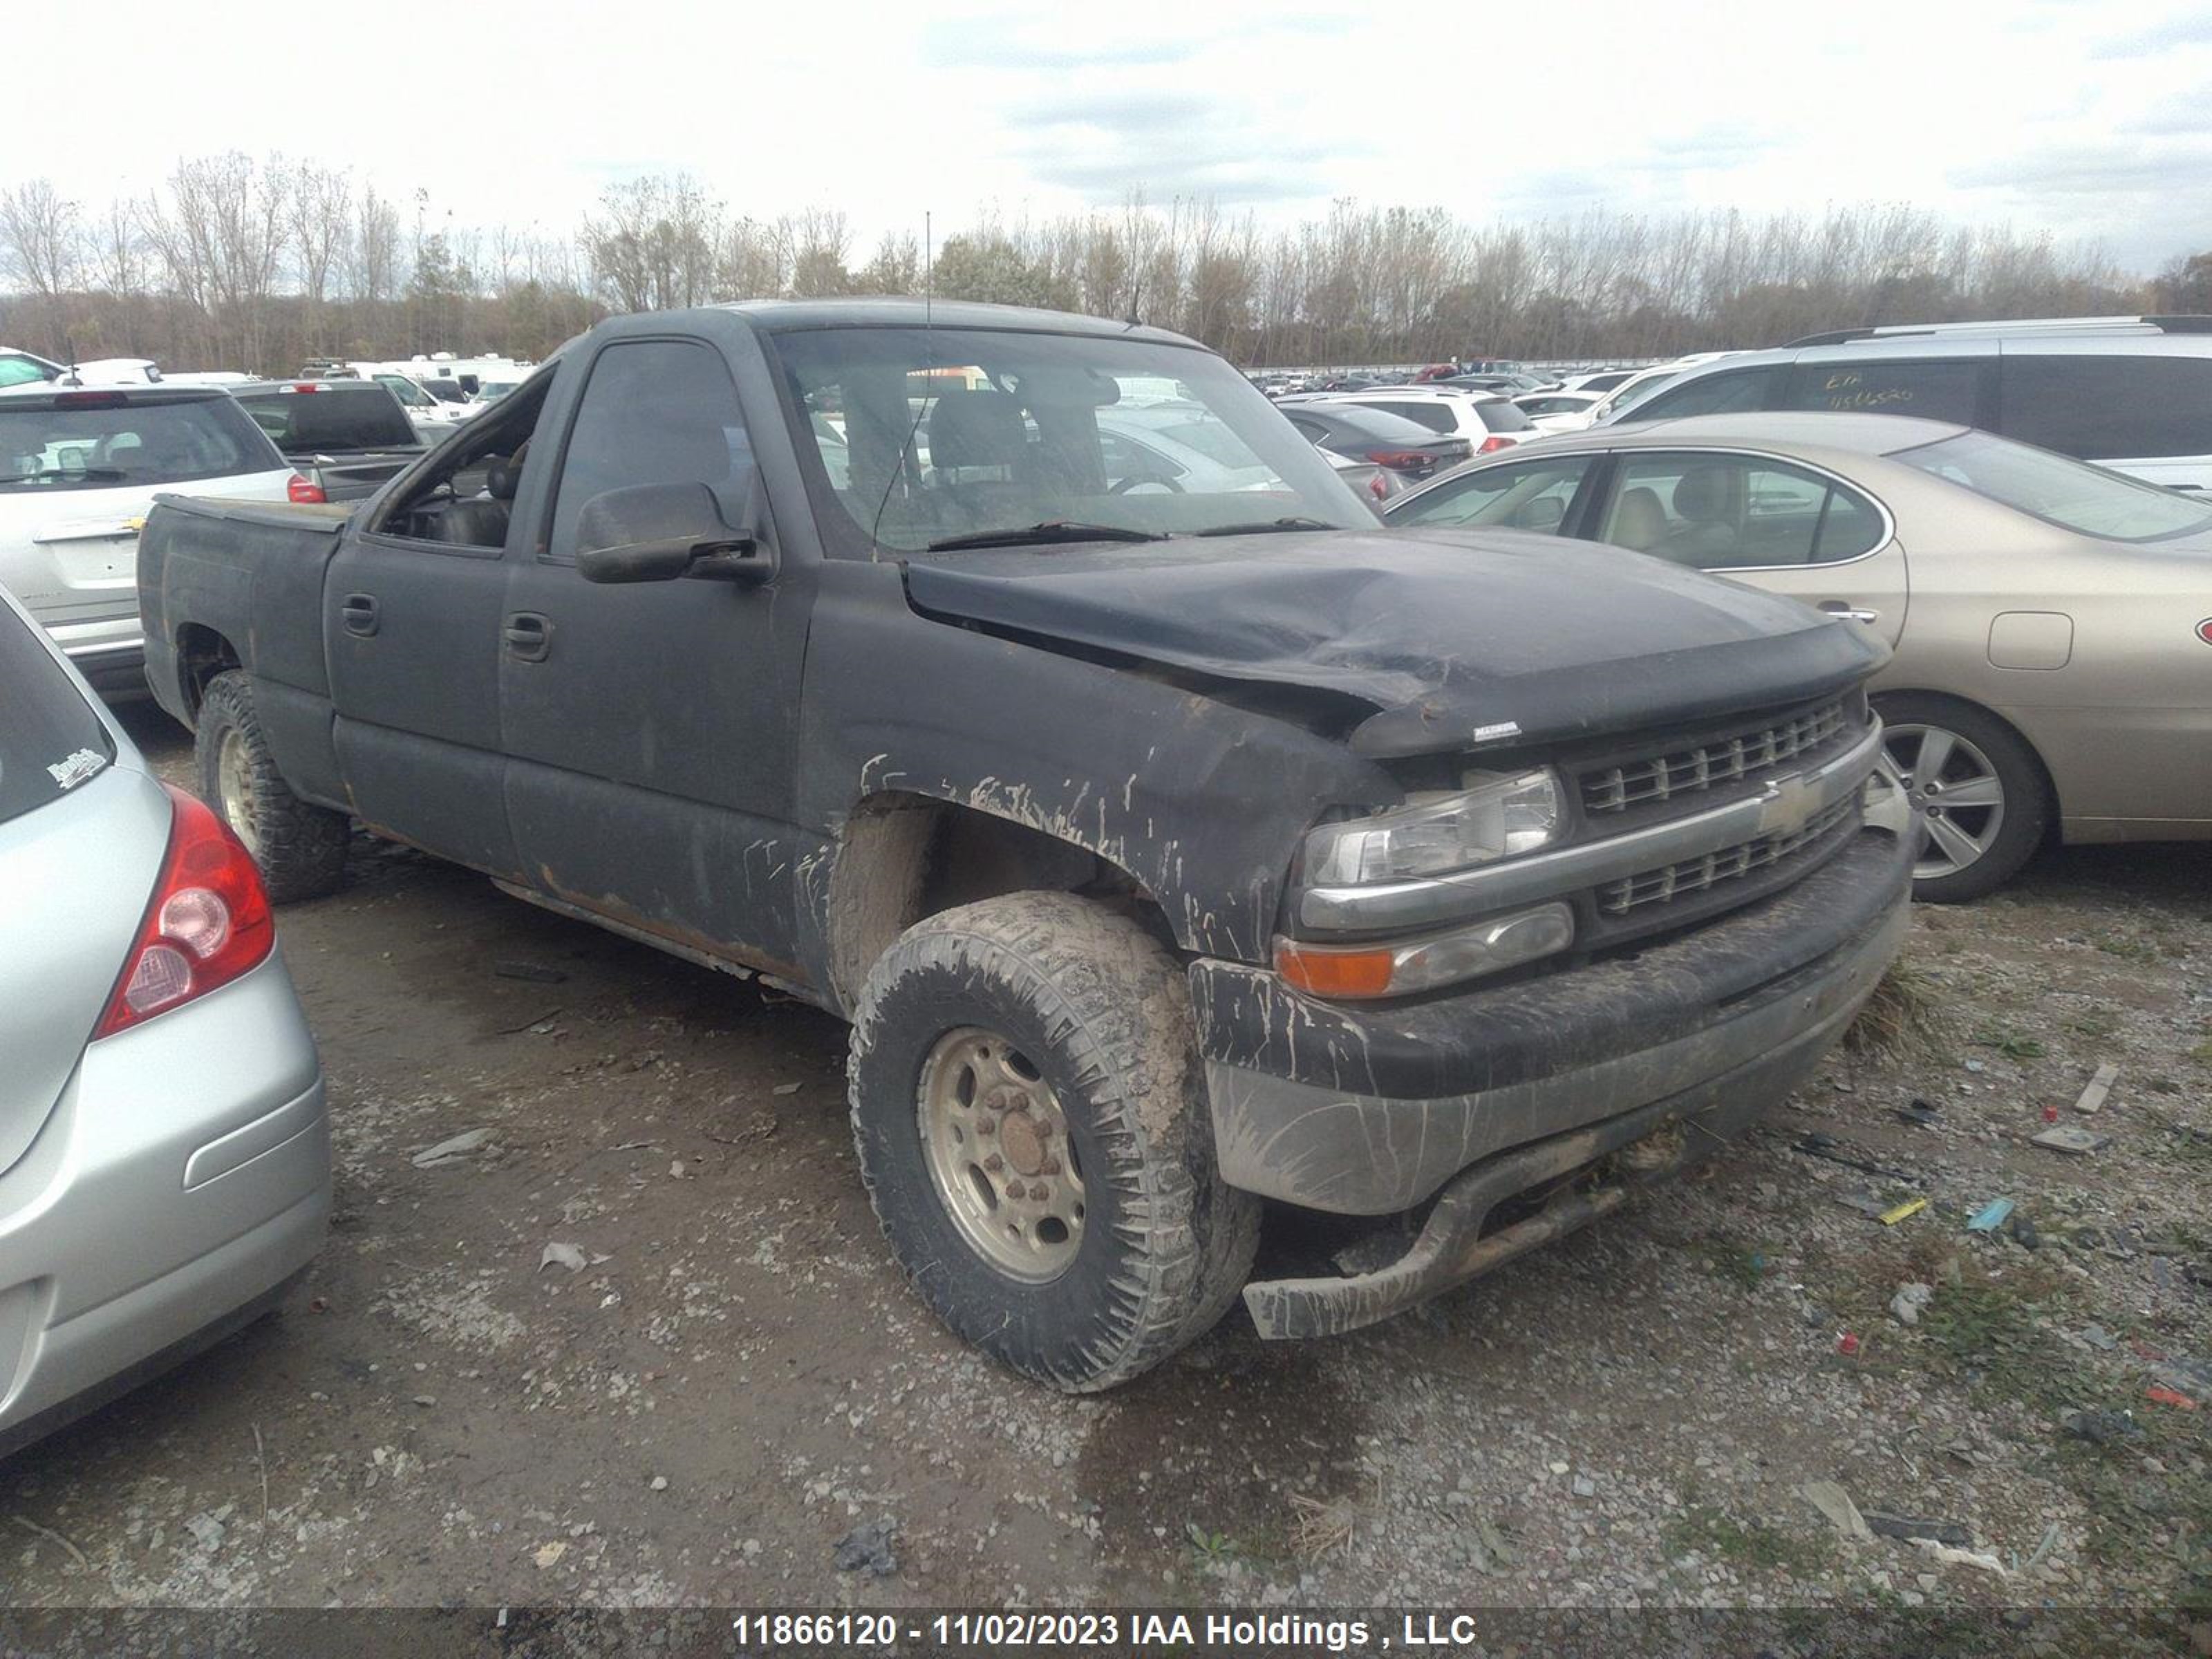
(778, 316)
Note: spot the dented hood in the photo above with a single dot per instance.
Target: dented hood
(1458, 639)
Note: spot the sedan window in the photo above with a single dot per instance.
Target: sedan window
(2072, 494)
(1532, 495)
(1717, 511)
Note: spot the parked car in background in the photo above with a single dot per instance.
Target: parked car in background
(19, 368)
(1488, 421)
(79, 470)
(2133, 393)
(165, 1162)
(1363, 478)
(1407, 451)
(1557, 411)
(1603, 381)
(344, 437)
(1176, 447)
(2052, 621)
(431, 419)
(1629, 392)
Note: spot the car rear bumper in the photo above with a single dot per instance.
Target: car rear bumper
(182, 1179)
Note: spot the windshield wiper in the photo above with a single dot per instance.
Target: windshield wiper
(1052, 530)
(1265, 526)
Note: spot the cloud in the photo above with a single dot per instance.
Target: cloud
(1013, 42)
(2185, 115)
(2186, 29)
(2095, 167)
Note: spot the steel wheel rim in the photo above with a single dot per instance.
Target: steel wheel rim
(997, 1146)
(233, 777)
(1954, 787)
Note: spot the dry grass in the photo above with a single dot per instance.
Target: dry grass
(1900, 1018)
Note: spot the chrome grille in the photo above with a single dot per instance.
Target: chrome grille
(1723, 760)
(1673, 881)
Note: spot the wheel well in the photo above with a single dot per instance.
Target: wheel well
(901, 857)
(201, 654)
(2051, 830)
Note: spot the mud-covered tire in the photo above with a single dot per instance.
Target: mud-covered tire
(300, 848)
(1101, 1012)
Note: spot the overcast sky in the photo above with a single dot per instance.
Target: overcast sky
(2084, 117)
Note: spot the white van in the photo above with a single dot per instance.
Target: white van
(2133, 393)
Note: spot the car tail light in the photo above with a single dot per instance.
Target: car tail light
(1402, 461)
(1493, 443)
(305, 490)
(90, 400)
(1376, 487)
(2204, 630)
(207, 924)
(306, 385)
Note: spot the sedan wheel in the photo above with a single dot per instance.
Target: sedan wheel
(1956, 790)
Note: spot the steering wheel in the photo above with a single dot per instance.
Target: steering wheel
(1123, 486)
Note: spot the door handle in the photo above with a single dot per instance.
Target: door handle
(358, 612)
(529, 636)
(1839, 608)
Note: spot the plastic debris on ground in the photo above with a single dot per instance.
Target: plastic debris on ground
(1891, 1217)
(1913, 1529)
(1990, 1216)
(2069, 1139)
(1905, 1306)
(1833, 1502)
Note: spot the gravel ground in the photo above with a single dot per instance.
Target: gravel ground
(736, 1376)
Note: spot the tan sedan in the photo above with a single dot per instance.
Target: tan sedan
(2052, 621)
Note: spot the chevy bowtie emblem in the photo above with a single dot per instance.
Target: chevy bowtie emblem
(1787, 806)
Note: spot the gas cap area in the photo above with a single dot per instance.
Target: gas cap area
(2031, 639)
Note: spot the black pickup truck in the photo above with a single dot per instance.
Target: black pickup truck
(345, 437)
(1174, 837)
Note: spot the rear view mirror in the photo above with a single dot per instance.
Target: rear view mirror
(656, 532)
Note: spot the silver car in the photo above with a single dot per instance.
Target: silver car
(2052, 621)
(79, 470)
(165, 1164)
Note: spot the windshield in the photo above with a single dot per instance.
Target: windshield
(52, 740)
(925, 436)
(309, 422)
(407, 391)
(2069, 493)
(1630, 396)
(98, 441)
(18, 370)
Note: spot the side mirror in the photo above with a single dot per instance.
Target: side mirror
(656, 532)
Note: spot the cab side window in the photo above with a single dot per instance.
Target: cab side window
(653, 411)
(1535, 495)
(2131, 408)
(1718, 512)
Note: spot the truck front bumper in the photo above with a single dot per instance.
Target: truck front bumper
(1491, 1093)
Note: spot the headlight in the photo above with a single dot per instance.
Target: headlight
(1493, 818)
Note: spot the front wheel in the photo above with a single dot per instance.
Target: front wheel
(1028, 1110)
(300, 846)
(1978, 788)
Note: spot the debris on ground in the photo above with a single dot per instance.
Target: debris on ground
(1919, 1114)
(1957, 1558)
(547, 1554)
(1905, 1306)
(1913, 1529)
(869, 1547)
(1814, 1144)
(2022, 1231)
(1990, 1217)
(2102, 1428)
(1891, 1217)
(2099, 1338)
(2158, 1393)
(560, 1255)
(1847, 1345)
(450, 1151)
(788, 1088)
(2067, 1138)
(2190, 1376)
(1833, 1502)
(536, 972)
(2093, 1097)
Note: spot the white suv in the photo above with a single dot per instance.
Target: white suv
(1489, 421)
(2133, 393)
